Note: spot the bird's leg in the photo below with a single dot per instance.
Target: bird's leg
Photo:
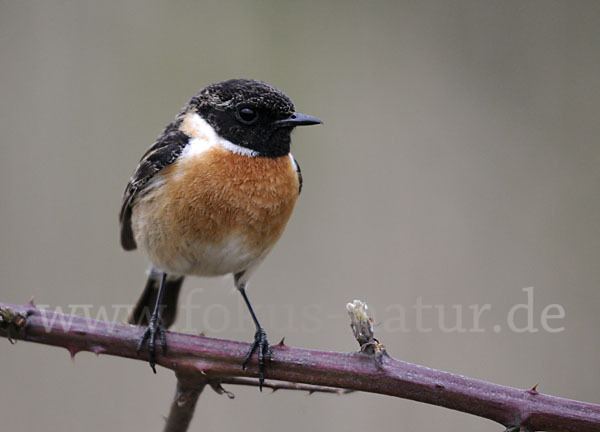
(155, 327)
(260, 344)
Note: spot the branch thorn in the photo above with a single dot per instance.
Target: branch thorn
(218, 388)
(72, 353)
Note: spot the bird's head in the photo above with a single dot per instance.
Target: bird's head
(251, 114)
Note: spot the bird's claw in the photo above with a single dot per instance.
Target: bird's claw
(155, 327)
(260, 345)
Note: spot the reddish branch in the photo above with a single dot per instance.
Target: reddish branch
(183, 406)
(198, 360)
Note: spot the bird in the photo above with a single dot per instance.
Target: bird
(211, 197)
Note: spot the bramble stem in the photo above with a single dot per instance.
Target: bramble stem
(196, 360)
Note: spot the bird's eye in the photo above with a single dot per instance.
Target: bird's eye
(247, 115)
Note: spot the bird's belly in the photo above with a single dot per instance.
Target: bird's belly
(202, 258)
(215, 213)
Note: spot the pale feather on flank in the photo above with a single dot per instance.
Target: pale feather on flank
(153, 183)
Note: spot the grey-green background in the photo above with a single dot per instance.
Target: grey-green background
(459, 162)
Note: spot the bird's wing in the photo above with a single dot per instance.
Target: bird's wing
(161, 154)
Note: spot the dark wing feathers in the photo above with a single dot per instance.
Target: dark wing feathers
(161, 154)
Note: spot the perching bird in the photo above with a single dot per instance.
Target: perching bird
(211, 197)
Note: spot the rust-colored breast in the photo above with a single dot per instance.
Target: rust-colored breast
(216, 194)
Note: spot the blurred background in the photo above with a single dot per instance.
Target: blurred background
(458, 165)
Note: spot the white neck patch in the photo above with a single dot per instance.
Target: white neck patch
(204, 137)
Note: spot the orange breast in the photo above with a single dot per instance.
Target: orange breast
(216, 194)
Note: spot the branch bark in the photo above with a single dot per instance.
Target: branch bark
(183, 407)
(198, 360)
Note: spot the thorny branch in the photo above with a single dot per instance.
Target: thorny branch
(198, 361)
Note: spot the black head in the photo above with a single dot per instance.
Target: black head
(251, 114)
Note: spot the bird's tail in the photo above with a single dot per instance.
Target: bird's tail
(141, 313)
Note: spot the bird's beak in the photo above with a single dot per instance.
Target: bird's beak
(298, 119)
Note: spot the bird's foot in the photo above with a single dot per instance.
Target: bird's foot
(260, 345)
(155, 328)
